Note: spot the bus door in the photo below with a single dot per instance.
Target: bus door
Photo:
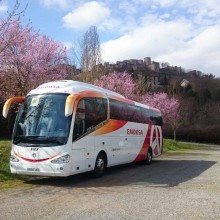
(90, 114)
(83, 153)
(79, 139)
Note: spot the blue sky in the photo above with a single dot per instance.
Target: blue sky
(181, 32)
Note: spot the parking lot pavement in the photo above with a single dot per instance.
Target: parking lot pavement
(175, 186)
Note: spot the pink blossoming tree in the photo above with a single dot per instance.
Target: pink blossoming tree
(28, 59)
(121, 82)
(168, 106)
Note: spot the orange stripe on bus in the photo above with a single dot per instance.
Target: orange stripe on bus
(111, 126)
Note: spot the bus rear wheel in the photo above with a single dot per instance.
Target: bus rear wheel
(100, 165)
(149, 156)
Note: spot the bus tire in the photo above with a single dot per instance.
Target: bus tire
(149, 156)
(100, 165)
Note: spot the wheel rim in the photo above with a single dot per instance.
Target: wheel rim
(149, 156)
(100, 163)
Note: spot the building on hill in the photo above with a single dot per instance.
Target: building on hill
(171, 70)
(146, 70)
(151, 74)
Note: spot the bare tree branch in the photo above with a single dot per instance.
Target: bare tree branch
(88, 55)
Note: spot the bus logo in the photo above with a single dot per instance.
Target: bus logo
(135, 131)
(156, 140)
(34, 148)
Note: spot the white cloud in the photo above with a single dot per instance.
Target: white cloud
(90, 13)
(201, 52)
(3, 6)
(199, 11)
(55, 3)
(128, 7)
(175, 42)
(160, 3)
(111, 24)
(165, 3)
(153, 38)
(184, 33)
(165, 16)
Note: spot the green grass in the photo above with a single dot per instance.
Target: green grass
(8, 180)
(174, 146)
(5, 147)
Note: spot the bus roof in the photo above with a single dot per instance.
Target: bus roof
(69, 86)
(73, 87)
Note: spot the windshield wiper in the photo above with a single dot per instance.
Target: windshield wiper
(50, 140)
(37, 139)
(29, 139)
(18, 139)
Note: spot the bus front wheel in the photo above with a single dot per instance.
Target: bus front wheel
(149, 156)
(100, 165)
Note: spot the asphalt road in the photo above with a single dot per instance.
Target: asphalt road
(176, 186)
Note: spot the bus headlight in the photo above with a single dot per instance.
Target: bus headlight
(14, 159)
(63, 159)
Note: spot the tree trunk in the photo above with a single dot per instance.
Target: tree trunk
(174, 130)
(174, 134)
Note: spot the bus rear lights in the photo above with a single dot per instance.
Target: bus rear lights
(60, 160)
(14, 159)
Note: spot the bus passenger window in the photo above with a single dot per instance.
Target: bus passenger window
(96, 111)
(90, 112)
(118, 110)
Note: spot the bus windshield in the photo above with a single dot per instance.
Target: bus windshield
(41, 120)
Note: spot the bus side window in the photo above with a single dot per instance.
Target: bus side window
(146, 116)
(96, 111)
(118, 110)
(79, 125)
(156, 118)
(90, 112)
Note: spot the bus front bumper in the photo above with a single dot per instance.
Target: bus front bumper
(40, 169)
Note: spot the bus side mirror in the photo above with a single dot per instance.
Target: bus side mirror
(8, 104)
(69, 105)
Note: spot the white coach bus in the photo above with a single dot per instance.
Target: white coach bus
(68, 127)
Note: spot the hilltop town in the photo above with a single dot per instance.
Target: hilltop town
(153, 75)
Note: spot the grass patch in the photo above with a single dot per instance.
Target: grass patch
(5, 148)
(173, 146)
(7, 179)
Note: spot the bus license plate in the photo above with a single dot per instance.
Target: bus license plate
(33, 169)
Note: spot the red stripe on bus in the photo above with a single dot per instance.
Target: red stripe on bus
(143, 152)
(33, 160)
